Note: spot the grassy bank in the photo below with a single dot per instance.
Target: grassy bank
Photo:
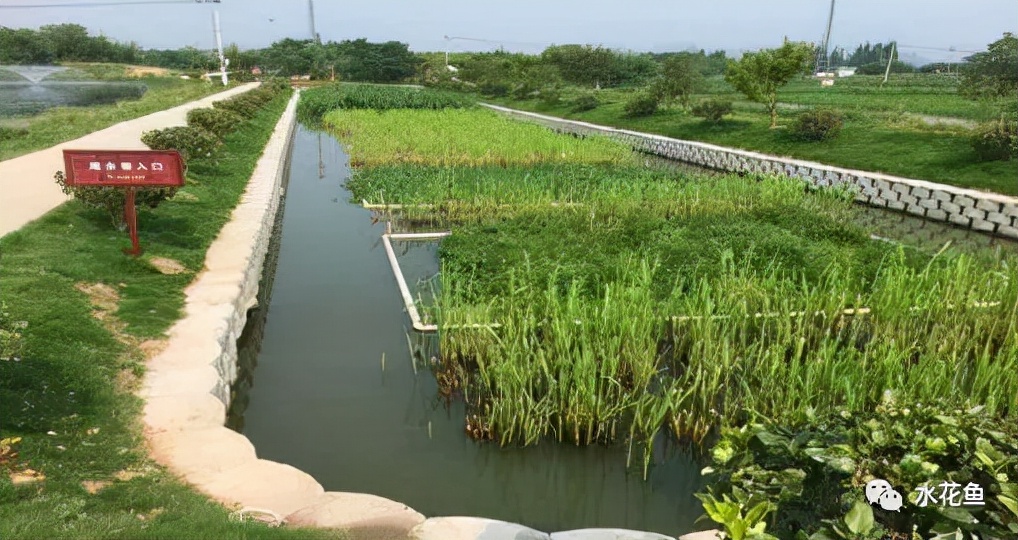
(91, 314)
(67, 123)
(878, 136)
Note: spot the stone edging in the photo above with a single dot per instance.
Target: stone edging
(187, 392)
(187, 386)
(981, 211)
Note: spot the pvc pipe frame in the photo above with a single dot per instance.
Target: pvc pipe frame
(415, 317)
(404, 290)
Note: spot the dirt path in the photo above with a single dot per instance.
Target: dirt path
(27, 188)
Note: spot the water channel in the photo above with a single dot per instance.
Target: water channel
(321, 401)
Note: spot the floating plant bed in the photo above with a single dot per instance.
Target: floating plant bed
(633, 299)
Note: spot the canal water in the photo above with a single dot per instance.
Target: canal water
(320, 400)
(316, 393)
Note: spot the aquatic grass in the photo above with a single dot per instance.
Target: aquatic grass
(316, 102)
(590, 368)
(460, 137)
(630, 299)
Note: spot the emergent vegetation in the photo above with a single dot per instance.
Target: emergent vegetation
(603, 303)
(459, 137)
(316, 102)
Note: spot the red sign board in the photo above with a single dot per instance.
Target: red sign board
(124, 168)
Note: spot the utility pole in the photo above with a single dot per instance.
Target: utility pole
(821, 60)
(887, 72)
(311, 17)
(223, 61)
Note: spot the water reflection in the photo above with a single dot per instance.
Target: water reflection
(321, 401)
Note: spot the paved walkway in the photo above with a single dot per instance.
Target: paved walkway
(27, 188)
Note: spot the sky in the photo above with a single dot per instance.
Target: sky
(927, 28)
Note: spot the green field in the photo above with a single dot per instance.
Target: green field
(882, 131)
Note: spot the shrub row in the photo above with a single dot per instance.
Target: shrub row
(206, 127)
(199, 139)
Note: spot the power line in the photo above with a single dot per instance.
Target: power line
(951, 49)
(103, 4)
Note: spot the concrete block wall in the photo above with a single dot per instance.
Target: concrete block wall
(989, 213)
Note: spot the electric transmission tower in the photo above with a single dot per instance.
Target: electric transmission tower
(822, 53)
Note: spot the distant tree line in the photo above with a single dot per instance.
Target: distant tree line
(354, 60)
(62, 42)
(863, 54)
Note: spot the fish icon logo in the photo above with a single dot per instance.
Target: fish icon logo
(880, 492)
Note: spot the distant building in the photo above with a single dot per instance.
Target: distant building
(256, 70)
(846, 71)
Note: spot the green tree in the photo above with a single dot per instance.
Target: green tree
(681, 77)
(23, 46)
(759, 75)
(291, 56)
(993, 73)
(67, 41)
(586, 65)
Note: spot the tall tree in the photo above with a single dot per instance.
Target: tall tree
(68, 41)
(681, 77)
(23, 46)
(759, 75)
(993, 73)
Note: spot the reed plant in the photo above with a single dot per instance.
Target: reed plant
(451, 137)
(748, 346)
(316, 102)
(590, 299)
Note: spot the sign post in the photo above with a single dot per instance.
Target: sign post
(127, 169)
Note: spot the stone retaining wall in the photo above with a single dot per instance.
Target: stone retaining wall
(985, 212)
(187, 386)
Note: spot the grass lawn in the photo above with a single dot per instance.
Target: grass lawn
(70, 396)
(872, 139)
(66, 123)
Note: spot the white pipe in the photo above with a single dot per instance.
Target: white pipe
(418, 236)
(366, 204)
(377, 206)
(404, 291)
